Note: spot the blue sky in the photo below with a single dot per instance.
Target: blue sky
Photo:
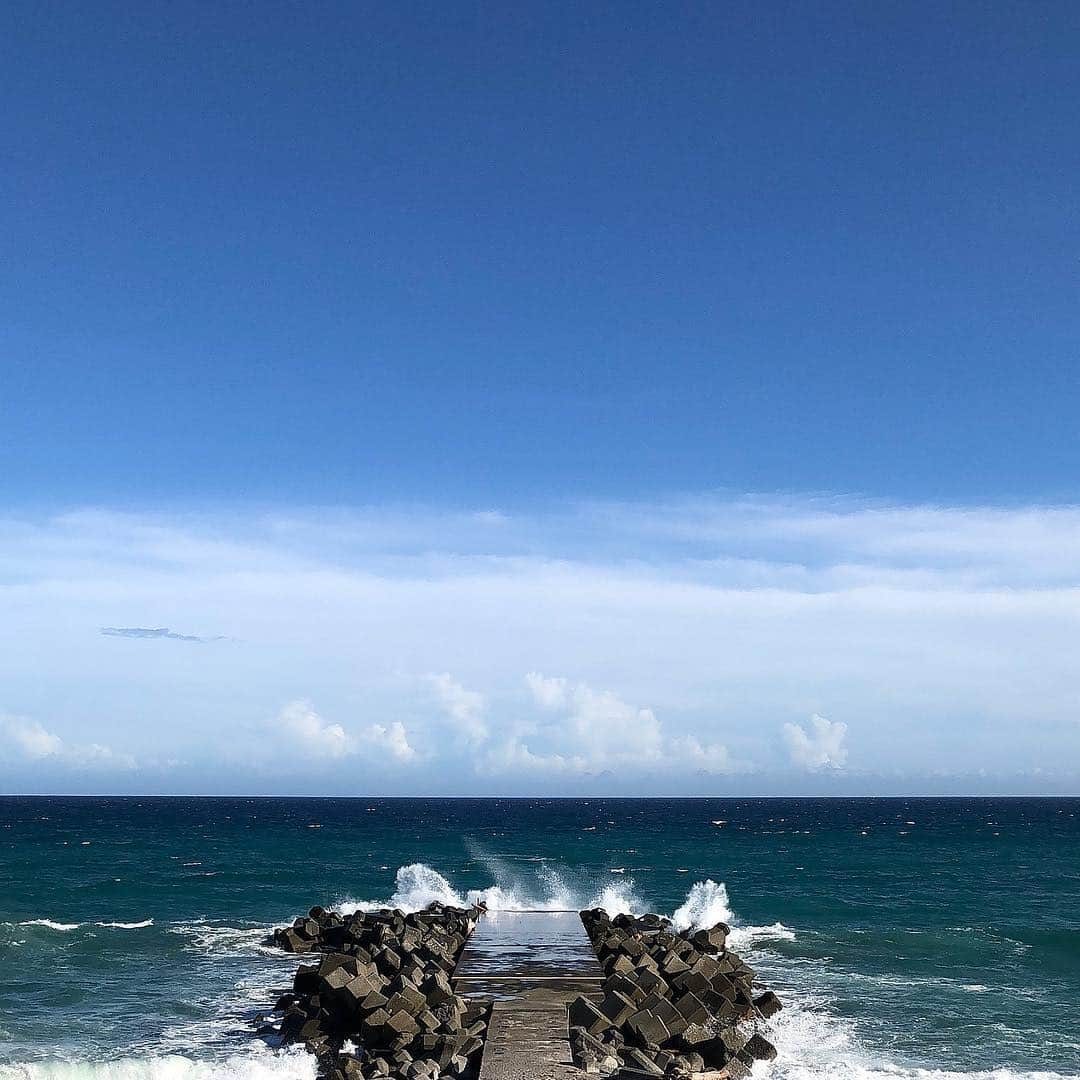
(490, 382)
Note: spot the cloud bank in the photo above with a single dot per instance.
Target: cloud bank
(693, 645)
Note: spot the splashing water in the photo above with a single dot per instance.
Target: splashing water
(706, 905)
(417, 885)
(619, 899)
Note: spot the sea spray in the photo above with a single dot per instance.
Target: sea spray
(706, 905)
(260, 1064)
(418, 885)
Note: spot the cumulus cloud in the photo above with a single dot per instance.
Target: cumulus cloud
(550, 693)
(820, 745)
(513, 755)
(464, 707)
(597, 730)
(603, 730)
(29, 741)
(312, 736)
(391, 738)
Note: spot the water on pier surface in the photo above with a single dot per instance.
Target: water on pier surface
(522, 953)
(905, 935)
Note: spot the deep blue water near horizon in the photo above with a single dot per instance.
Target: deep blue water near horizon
(904, 935)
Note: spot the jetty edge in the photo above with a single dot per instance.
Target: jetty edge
(378, 997)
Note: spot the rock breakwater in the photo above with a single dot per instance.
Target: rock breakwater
(379, 1000)
(674, 1004)
(376, 999)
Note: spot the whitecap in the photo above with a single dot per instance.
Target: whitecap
(813, 1044)
(261, 1064)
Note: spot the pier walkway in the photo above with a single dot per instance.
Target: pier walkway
(530, 965)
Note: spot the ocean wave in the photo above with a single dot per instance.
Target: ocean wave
(212, 937)
(257, 1065)
(813, 1044)
(66, 928)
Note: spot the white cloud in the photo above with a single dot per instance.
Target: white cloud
(600, 729)
(513, 755)
(818, 746)
(610, 731)
(597, 730)
(464, 707)
(708, 619)
(312, 736)
(706, 757)
(390, 738)
(30, 741)
(550, 693)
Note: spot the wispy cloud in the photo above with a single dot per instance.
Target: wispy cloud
(160, 633)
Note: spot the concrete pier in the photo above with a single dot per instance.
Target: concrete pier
(530, 965)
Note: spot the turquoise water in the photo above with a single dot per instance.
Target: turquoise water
(904, 935)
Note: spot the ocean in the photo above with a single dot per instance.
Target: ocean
(908, 938)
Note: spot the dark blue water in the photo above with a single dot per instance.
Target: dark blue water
(905, 935)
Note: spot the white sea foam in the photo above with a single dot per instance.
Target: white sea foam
(259, 1064)
(64, 928)
(813, 1044)
(214, 938)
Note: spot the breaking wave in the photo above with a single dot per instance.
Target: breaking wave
(260, 1064)
(706, 904)
(64, 928)
(813, 1044)
(214, 937)
(417, 885)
